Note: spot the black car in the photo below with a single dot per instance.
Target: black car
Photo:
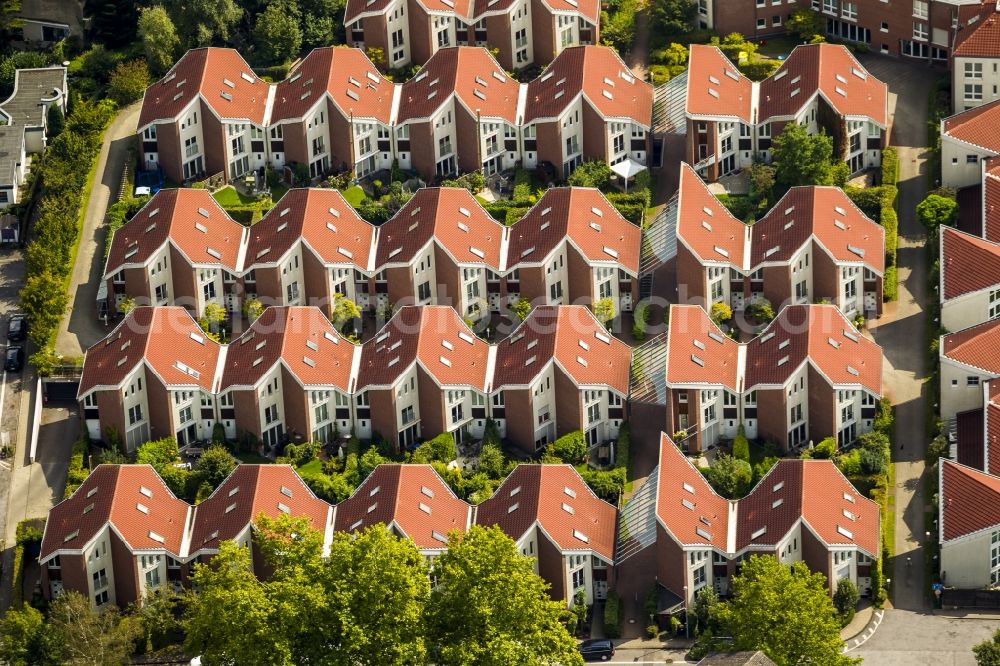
(17, 329)
(14, 359)
(597, 649)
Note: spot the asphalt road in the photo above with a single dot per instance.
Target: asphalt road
(908, 638)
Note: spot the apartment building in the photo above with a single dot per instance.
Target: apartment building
(140, 383)
(727, 120)
(975, 57)
(333, 111)
(801, 511)
(555, 518)
(290, 377)
(180, 249)
(123, 534)
(442, 248)
(586, 106)
(968, 361)
(307, 249)
(560, 371)
(35, 92)
(207, 115)
(813, 244)
(573, 247)
(968, 139)
(968, 526)
(921, 29)
(412, 501)
(969, 279)
(523, 32)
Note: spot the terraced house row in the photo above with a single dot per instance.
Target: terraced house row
(210, 114)
(123, 533)
(441, 248)
(723, 121)
(814, 244)
(291, 376)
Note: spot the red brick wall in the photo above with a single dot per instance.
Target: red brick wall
(296, 146)
(169, 151)
(778, 285)
(568, 403)
(826, 276)
(185, 280)
(549, 138)
(815, 554)
(247, 411)
(595, 138)
(214, 137)
(500, 36)
(449, 280)
(295, 402)
(466, 140)
(316, 281)
(341, 137)
(160, 410)
(822, 407)
(136, 286)
(671, 563)
(420, 33)
(126, 575)
(402, 289)
(543, 33)
(111, 410)
(533, 284)
(691, 286)
(431, 399)
(269, 285)
(520, 419)
(73, 569)
(551, 567)
(772, 419)
(580, 282)
(383, 411)
(423, 151)
(377, 35)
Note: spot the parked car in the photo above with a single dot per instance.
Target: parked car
(15, 358)
(17, 329)
(597, 649)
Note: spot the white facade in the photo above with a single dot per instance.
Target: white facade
(961, 386)
(975, 81)
(960, 161)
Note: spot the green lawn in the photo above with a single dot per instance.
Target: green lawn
(228, 196)
(354, 195)
(778, 46)
(312, 468)
(253, 459)
(278, 191)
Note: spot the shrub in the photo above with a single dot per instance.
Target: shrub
(606, 484)
(850, 463)
(761, 310)
(570, 448)
(613, 615)
(884, 417)
(522, 185)
(825, 449)
(441, 448)
(595, 173)
(890, 166)
(938, 448)
(76, 472)
(128, 82)
(300, 454)
(890, 286)
(872, 461)
(740, 205)
(720, 312)
(845, 600)
(741, 446)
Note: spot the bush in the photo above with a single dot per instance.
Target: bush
(845, 601)
(739, 205)
(571, 448)
(76, 472)
(890, 166)
(595, 173)
(522, 185)
(613, 615)
(128, 82)
(885, 418)
(761, 310)
(606, 484)
(850, 463)
(300, 454)
(890, 286)
(441, 448)
(825, 449)
(720, 312)
(741, 446)
(938, 448)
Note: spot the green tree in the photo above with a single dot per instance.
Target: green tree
(845, 601)
(741, 445)
(22, 637)
(44, 300)
(277, 32)
(936, 211)
(112, 22)
(252, 308)
(127, 305)
(9, 10)
(800, 158)
(212, 318)
(672, 17)
(85, 637)
(824, 450)
(761, 310)
(705, 600)
(987, 653)
(159, 38)
(440, 448)
(204, 22)
(157, 615)
(618, 25)
(730, 476)
(55, 121)
(376, 55)
(806, 24)
(490, 607)
(215, 464)
(595, 173)
(158, 453)
(571, 448)
(761, 183)
(343, 311)
(784, 611)
(521, 308)
(322, 22)
(44, 361)
(128, 82)
(604, 310)
(720, 312)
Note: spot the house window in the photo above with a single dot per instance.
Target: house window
(920, 30)
(424, 291)
(920, 9)
(973, 92)
(101, 598)
(699, 577)
(995, 558)
(579, 578)
(100, 579)
(973, 70)
(134, 414)
(994, 310)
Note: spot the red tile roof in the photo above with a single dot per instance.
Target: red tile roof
(968, 263)
(246, 493)
(576, 341)
(833, 72)
(980, 35)
(435, 337)
(346, 75)
(715, 88)
(360, 8)
(603, 78)
(555, 498)
(976, 127)
(686, 505)
(449, 215)
(411, 498)
(132, 498)
(322, 219)
(818, 492)
(970, 500)
(707, 227)
(191, 220)
(167, 339)
(222, 78)
(582, 216)
(975, 346)
(825, 214)
(588, 9)
(698, 352)
(821, 334)
(479, 83)
(302, 338)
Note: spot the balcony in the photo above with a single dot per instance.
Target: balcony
(444, 149)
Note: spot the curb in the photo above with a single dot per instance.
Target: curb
(861, 638)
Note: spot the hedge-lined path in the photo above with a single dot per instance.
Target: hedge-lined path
(80, 327)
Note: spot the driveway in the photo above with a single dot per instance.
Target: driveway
(908, 638)
(81, 328)
(901, 329)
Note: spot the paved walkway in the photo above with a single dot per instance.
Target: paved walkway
(81, 328)
(901, 329)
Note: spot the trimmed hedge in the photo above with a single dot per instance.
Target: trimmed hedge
(613, 615)
(890, 166)
(77, 472)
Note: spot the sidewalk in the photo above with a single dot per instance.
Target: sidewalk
(19, 478)
(859, 623)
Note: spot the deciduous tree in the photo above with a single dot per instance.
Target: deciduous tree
(277, 33)
(604, 310)
(44, 300)
(731, 477)
(204, 22)
(800, 158)
(490, 607)
(784, 611)
(159, 38)
(86, 637)
(936, 211)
